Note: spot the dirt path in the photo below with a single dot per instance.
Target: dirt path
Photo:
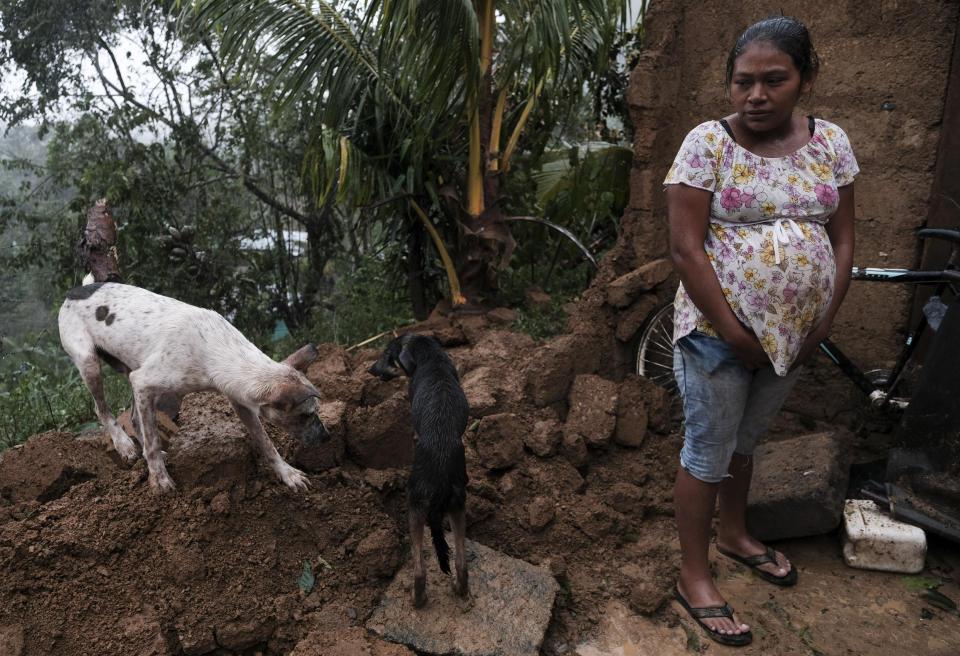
(834, 611)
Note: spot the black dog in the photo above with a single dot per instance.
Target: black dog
(438, 479)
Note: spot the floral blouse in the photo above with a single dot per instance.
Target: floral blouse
(767, 240)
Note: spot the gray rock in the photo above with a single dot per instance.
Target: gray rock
(798, 487)
(506, 614)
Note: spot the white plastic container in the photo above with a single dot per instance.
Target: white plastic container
(874, 540)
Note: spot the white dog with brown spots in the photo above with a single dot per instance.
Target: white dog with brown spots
(164, 347)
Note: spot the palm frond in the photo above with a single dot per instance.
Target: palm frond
(298, 50)
(559, 228)
(598, 167)
(436, 47)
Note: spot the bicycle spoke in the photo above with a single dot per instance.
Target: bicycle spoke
(666, 344)
(655, 353)
(668, 367)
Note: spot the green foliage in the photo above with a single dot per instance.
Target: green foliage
(395, 88)
(584, 189)
(226, 177)
(364, 301)
(539, 324)
(917, 583)
(566, 283)
(41, 389)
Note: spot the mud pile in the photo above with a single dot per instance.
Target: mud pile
(569, 471)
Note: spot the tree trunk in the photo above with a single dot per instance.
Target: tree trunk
(482, 237)
(415, 286)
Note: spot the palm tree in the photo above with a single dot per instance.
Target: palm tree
(421, 103)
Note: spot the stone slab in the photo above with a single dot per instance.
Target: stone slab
(798, 487)
(506, 613)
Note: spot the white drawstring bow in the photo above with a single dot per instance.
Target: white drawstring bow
(782, 236)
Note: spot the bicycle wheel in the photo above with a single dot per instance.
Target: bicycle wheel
(655, 350)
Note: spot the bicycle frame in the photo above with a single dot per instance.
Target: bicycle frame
(880, 395)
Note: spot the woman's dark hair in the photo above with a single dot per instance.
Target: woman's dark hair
(785, 33)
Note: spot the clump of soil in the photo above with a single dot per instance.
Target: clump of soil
(568, 470)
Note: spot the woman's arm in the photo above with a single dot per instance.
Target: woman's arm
(689, 211)
(840, 232)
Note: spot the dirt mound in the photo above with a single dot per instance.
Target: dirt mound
(108, 568)
(92, 563)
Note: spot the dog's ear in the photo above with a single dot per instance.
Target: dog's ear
(302, 358)
(407, 361)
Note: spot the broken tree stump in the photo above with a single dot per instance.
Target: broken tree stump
(97, 247)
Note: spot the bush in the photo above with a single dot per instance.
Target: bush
(41, 389)
(364, 301)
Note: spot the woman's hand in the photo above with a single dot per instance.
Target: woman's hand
(811, 343)
(747, 347)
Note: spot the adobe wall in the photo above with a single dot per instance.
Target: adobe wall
(884, 73)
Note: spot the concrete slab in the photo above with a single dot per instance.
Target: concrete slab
(506, 614)
(798, 487)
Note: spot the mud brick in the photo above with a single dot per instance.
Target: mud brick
(798, 487)
(627, 288)
(593, 409)
(499, 440)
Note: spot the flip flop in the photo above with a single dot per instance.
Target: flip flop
(753, 562)
(731, 639)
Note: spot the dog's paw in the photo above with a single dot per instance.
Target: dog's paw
(161, 483)
(293, 477)
(129, 455)
(124, 445)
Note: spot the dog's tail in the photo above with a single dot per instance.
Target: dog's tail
(435, 522)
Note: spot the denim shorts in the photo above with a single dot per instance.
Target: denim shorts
(726, 406)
